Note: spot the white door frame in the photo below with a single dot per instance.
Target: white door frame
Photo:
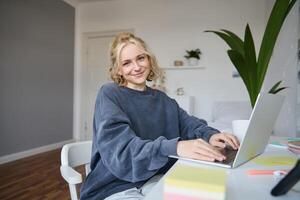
(79, 71)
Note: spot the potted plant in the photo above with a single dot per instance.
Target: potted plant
(242, 53)
(193, 56)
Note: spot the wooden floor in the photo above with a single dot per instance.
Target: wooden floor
(34, 178)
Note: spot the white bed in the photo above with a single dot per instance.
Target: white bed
(224, 112)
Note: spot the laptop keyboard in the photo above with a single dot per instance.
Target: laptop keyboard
(230, 156)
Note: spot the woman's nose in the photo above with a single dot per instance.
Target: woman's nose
(136, 66)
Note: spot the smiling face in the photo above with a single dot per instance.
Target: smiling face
(134, 66)
(132, 63)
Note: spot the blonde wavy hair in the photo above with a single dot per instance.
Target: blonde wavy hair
(119, 42)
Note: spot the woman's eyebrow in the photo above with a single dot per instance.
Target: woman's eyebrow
(125, 60)
(142, 54)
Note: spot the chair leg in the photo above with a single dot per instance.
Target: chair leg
(87, 169)
(73, 192)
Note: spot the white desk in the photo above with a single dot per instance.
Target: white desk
(239, 184)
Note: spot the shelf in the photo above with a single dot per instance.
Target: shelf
(183, 68)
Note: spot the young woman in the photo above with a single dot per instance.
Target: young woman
(136, 128)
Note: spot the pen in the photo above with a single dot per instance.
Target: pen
(266, 172)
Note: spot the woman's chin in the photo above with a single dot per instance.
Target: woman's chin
(140, 83)
(140, 80)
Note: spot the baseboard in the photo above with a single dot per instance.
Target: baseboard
(31, 152)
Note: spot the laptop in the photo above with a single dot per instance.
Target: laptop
(262, 121)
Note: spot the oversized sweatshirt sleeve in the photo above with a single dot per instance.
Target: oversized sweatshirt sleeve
(192, 127)
(126, 155)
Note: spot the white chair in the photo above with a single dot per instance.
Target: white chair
(73, 155)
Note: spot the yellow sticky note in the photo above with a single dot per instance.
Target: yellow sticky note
(275, 160)
(184, 176)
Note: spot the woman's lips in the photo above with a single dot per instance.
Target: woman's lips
(138, 75)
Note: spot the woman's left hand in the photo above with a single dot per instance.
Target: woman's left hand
(221, 139)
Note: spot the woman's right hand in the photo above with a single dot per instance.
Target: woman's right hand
(199, 149)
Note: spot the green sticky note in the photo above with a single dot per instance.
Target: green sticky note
(293, 139)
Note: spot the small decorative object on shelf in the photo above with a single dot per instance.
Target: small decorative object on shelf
(180, 91)
(193, 56)
(178, 63)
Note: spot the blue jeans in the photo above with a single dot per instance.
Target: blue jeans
(135, 193)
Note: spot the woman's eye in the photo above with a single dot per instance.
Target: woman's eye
(125, 64)
(142, 58)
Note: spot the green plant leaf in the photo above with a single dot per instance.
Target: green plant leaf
(243, 54)
(193, 54)
(233, 43)
(279, 89)
(275, 86)
(250, 62)
(276, 19)
(239, 44)
(239, 63)
(290, 7)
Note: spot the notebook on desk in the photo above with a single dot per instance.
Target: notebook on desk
(262, 120)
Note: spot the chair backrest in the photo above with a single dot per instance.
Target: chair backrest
(73, 155)
(77, 153)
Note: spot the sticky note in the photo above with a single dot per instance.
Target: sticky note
(195, 183)
(275, 160)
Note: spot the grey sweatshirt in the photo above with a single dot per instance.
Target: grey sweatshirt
(134, 133)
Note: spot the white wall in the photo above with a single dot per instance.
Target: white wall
(172, 26)
(283, 66)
